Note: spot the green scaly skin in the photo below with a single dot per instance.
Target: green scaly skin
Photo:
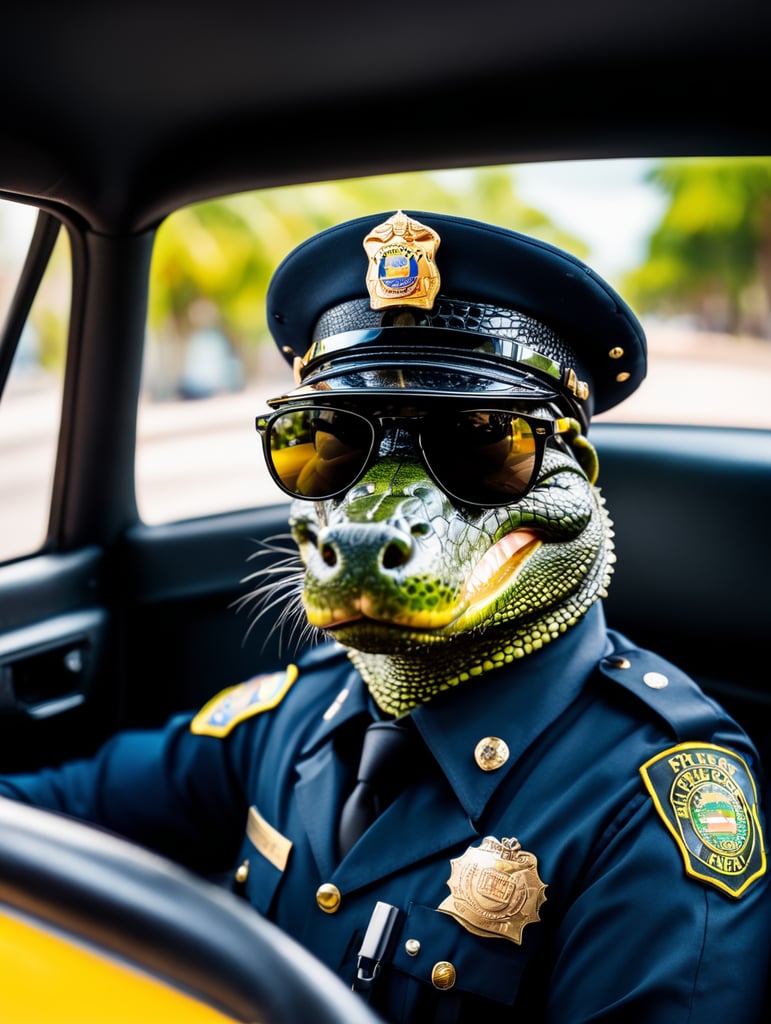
(426, 596)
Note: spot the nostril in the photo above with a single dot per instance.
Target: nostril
(303, 533)
(395, 554)
(328, 555)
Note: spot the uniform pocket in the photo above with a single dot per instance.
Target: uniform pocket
(435, 948)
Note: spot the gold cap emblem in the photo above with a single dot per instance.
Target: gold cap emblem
(495, 889)
(401, 270)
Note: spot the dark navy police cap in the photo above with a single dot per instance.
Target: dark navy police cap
(428, 304)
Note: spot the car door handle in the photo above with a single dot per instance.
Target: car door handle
(48, 668)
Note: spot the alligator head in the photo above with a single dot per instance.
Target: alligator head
(426, 595)
(424, 592)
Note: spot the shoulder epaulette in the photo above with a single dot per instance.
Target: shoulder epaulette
(666, 689)
(704, 793)
(223, 712)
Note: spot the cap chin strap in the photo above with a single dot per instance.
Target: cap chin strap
(583, 450)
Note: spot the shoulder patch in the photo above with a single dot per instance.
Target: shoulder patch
(233, 705)
(706, 797)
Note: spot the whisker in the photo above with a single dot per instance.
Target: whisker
(277, 585)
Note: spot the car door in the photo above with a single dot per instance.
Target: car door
(105, 621)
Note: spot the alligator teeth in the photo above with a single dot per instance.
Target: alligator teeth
(485, 574)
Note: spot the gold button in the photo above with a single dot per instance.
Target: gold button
(412, 946)
(443, 975)
(618, 662)
(242, 872)
(616, 352)
(621, 377)
(490, 753)
(328, 898)
(655, 680)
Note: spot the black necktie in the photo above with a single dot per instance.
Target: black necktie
(384, 768)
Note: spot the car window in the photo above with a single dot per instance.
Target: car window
(684, 241)
(31, 400)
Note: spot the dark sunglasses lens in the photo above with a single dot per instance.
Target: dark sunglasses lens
(317, 453)
(483, 457)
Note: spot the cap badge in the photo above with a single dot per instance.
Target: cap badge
(495, 889)
(401, 270)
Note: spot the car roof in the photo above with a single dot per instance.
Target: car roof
(123, 112)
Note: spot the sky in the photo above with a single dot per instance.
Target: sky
(604, 203)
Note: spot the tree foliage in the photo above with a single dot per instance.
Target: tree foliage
(213, 261)
(710, 256)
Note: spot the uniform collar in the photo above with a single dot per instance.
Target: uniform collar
(351, 700)
(514, 704)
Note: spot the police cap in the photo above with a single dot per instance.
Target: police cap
(426, 303)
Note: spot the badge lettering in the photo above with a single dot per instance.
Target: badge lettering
(401, 270)
(495, 889)
(706, 797)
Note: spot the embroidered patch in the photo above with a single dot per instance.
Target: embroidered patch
(706, 797)
(233, 705)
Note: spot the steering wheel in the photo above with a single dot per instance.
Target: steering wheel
(92, 901)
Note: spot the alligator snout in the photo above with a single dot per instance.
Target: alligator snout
(375, 557)
(394, 568)
(360, 550)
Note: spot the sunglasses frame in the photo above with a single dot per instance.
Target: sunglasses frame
(543, 430)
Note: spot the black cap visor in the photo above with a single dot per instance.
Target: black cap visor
(431, 362)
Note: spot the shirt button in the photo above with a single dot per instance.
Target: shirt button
(443, 975)
(655, 680)
(490, 753)
(328, 898)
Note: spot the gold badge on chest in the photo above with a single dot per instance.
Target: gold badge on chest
(495, 889)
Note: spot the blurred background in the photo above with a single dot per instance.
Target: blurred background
(686, 242)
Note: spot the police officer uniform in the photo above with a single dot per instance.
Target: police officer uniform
(578, 836)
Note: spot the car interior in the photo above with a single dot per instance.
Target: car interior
(117, 118)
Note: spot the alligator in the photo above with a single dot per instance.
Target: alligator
(425, 594)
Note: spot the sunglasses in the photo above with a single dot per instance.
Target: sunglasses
(480, 457)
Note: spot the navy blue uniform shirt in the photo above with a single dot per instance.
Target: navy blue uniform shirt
(628, 793)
